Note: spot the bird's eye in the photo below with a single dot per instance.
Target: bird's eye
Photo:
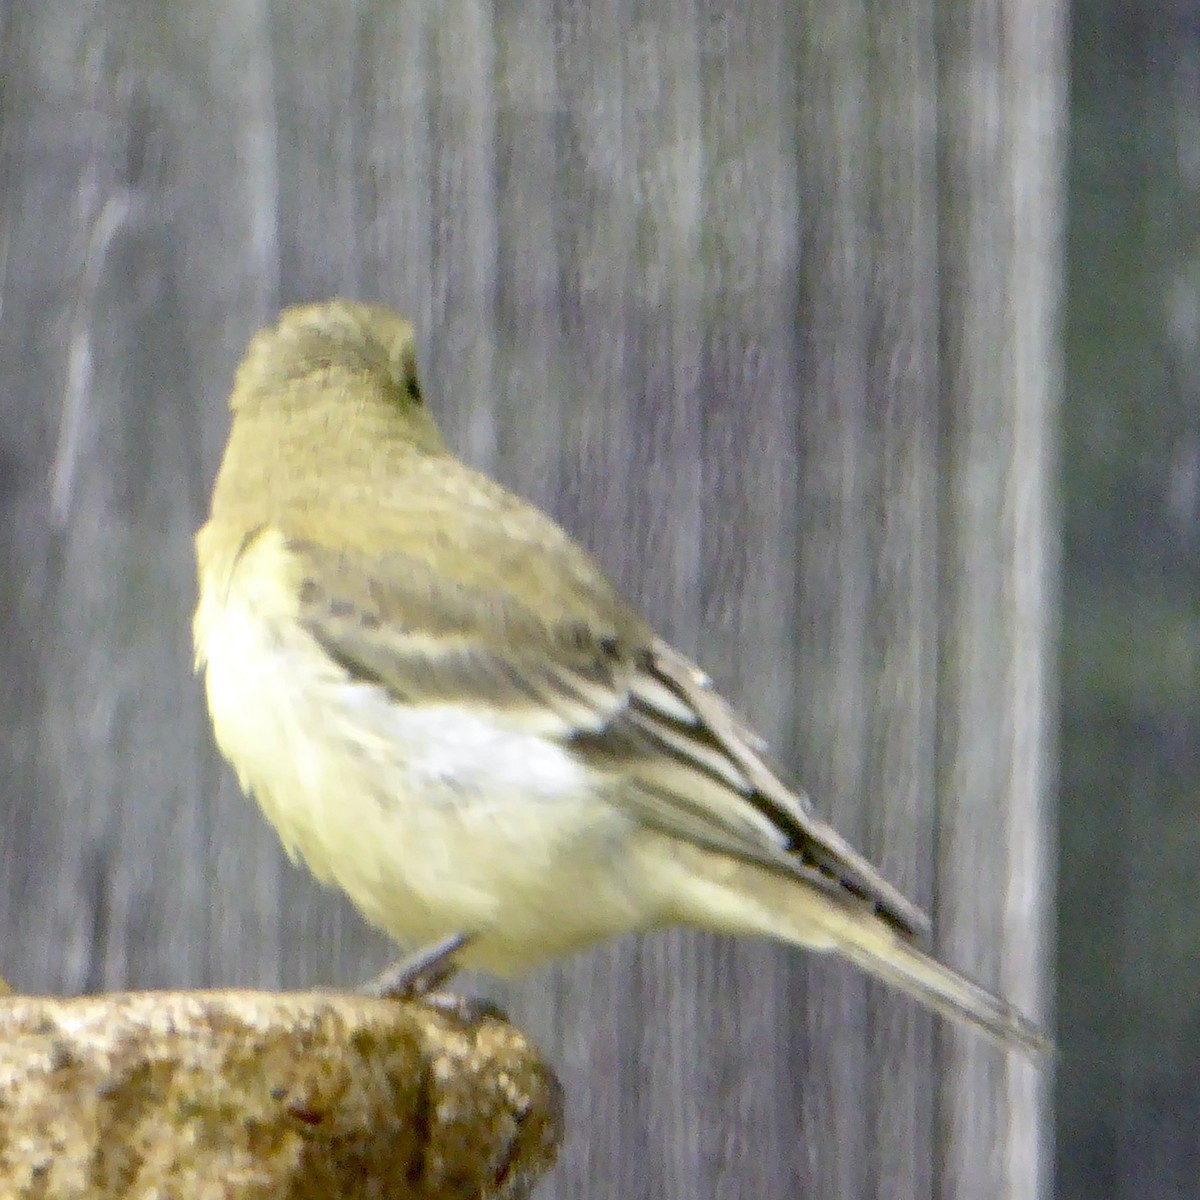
(413, 388)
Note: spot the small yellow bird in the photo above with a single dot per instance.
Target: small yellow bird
(445, 708)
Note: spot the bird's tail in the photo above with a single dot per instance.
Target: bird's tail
(717, 892)
(886, 955)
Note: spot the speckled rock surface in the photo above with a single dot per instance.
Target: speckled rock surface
(232, 1095)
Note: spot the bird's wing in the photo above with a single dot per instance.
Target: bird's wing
(699, 730)
(625, 700)
(427, 637)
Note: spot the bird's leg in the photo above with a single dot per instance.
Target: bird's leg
(421, 973)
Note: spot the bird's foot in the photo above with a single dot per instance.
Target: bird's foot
(422, 975)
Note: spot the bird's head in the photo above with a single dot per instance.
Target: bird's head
(359, 357)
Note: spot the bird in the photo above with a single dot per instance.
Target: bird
(444, 706)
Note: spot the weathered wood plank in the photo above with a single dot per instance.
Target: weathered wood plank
(703, 281)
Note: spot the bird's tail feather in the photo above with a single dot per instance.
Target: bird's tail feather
(860, 937)
(716, 892)
(944, 990)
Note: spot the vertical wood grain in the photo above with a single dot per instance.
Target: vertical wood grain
(708, 283)
(1000, 81)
